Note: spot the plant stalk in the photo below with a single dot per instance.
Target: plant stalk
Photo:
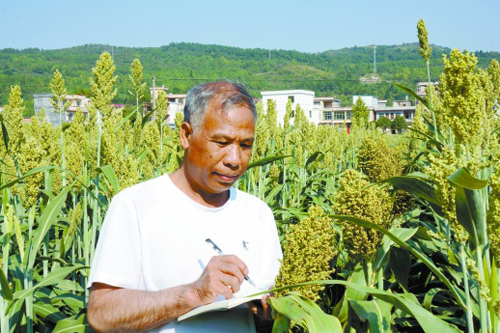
(470, 321)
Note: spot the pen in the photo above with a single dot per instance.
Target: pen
(219, 251)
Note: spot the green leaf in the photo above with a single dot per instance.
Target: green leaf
(287, 307)
(5, 135)
(463, 178)
(494, 295)
(146, 117)
(48, 217)
(73, 325)
(430, 139)
(305, 313)
(70, 286)
(422, 257)
(418, 187)
(358, 277)
(281, 324)
(433, 130)
(48, 311)
(4, 283)
(469, 212)
(52, 278)
(273, 193)
(28, 174)
(317, 321)
(124, 120)
(402, 233)
(314, 157)
(405, 302)
(142, 155)
(15, 315)
(267, 160)
(400, 262)
(110, 175)
(75, 302)
(429, 296)
(377, 312)
(414, 94)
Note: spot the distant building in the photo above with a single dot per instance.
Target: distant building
(378, 109)
(421, 86)
(176, 103)
(77, 102)
(154, 93)
(343, 114)
(42, 101)
(326, 105)
(403, 108)
(304, 98)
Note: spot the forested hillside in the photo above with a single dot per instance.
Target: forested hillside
(180, 65)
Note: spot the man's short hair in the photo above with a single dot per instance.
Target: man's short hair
(222, 95)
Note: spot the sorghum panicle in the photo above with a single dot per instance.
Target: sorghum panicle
(372, 203)
(310, 248)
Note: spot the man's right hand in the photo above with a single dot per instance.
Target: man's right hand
(223, 275)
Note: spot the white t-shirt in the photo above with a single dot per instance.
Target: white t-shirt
(153, 238)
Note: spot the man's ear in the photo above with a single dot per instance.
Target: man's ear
(185, 133)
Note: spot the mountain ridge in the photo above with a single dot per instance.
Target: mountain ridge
(178, 66)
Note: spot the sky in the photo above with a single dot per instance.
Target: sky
(306, 26)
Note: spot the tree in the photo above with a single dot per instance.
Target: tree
(399, 124)
(360, 114)
(383, 123)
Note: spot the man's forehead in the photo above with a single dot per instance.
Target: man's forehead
(221, 112)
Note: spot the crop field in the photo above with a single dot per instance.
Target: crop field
(380, 233)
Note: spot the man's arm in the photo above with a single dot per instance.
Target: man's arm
(124, 310)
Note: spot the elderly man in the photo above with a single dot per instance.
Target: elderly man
(152, 263)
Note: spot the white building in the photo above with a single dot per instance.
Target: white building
(42, 101)
(421, 86)
(77, 102)
(304, 98)
(176, 103)
(339, 115)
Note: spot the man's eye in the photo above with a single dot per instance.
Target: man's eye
(246, 145)
(222, 143)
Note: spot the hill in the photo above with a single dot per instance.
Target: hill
(180, 65)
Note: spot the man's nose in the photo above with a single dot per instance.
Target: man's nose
(232, 159)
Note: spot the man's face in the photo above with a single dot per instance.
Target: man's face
(218, 152)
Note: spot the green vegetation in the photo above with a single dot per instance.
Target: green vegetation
(399, 124)
(180, 65)
(383, 123)
(360, 114)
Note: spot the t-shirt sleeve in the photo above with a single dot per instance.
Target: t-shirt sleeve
(270, 261)
(117, 260)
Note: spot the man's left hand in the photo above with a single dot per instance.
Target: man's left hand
(261, 308)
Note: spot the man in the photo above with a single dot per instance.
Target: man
(152, 263)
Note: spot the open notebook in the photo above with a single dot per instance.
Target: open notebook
(222, 304)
